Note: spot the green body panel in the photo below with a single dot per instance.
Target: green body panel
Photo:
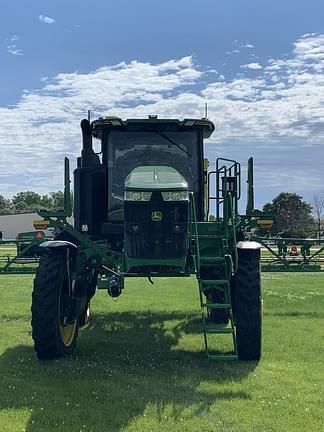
(153, 179)
(150, 178)
(179, 264)
(30, 235)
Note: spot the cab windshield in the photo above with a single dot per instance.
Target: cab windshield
(125, 151)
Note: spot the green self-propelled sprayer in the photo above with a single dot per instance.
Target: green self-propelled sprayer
(147, 205)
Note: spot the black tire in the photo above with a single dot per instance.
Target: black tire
(247, 305)
(53, 338)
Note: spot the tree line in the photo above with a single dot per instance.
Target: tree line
(292, 216)
(29, 202)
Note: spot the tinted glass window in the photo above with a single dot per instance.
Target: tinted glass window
(128, 150)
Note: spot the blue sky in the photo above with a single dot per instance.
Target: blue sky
(258, 64)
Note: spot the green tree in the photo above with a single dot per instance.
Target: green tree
(292, 216)
(46, 202)
(27, 202)
(5, 205)
(30, 201)
(58, 200)
(318, 208)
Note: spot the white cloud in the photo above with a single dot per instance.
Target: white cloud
(248, 45)
(44, 126)
(12, 46)
(46, 19)
(12, 49)
(254, 66)
(280, 110)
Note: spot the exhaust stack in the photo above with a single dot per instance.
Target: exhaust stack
(88, 156)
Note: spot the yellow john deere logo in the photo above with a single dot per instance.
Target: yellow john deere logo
(156, 216)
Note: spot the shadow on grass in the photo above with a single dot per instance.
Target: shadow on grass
(292, 314)
(126, 364)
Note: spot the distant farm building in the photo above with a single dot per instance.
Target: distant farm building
(11, 225)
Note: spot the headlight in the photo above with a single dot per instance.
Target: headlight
(137, 196)
(175, 196)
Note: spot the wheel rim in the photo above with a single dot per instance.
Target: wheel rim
(67, 333)
(67, 330)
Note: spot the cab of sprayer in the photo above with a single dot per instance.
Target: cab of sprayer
(135, 192)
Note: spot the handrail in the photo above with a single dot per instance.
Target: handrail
(223, 170)
(193, 211)
(226, 215)
(233, 233)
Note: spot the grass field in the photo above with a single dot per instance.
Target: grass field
(140, 364)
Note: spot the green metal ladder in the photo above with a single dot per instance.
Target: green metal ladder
(210, 254)
(208, 329)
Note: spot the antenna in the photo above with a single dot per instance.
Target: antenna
(89, 116)
(206, 110)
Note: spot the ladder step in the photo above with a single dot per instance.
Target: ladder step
(222, 357)
(207, 260)
(220, 330)
(211, 236)
(217, 305)
(213, 282)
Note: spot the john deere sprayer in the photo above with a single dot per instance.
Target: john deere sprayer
(147, 206)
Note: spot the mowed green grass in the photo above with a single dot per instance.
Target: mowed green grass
(140, 364)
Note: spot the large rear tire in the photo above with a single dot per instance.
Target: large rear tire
(247, 305)
(53, 332)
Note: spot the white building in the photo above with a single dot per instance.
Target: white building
(11, 225)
